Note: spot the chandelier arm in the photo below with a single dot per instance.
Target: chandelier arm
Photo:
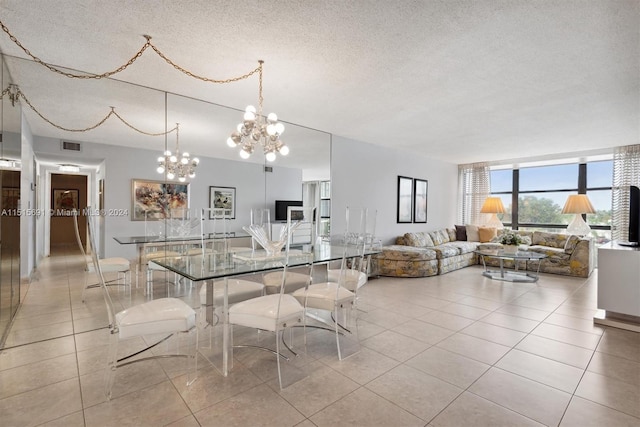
(125, 65)
(20, 94)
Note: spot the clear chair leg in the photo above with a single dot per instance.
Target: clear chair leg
(112, 364)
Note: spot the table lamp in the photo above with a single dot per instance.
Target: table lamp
(494, 206)
(578, 204)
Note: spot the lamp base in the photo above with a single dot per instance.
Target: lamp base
(578, 226)
(494, 222)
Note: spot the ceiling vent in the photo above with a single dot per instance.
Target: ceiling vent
(71, 146)
(268, 168)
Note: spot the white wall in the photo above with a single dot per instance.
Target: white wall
(366, 175)
(121, 165)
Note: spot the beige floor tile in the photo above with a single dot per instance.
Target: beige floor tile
(40, 333)
(363, 366)
(188, 421)
(581, 312)
(615, 367)
(481, 303)
(407, 309)
(365, 408)
(42, 404)
(211, 387)
(584, 325)
(38, 374)
(610, 392)
(368, 329)
(474, 348)
(566, 335)
(546, 371)
(414, 391)
(525, 312)
(130, 378)
(395, 345)
(511, 322)
(556, 350)
(529, 398)
(72, 420)
(30, 353)
(467, 311)
(493, 333)
(257, 406)
(384, 318)
(31, 322)
(618, 342)
(423, 331)
(584, 413)
(157, 405)
(320, 389)
(469, 409)
(447, 320)
(453, 368)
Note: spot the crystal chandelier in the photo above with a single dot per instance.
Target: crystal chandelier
(178, 165)
(256, 129)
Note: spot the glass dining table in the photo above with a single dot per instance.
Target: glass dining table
(214, 269)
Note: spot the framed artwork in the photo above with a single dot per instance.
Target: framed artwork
(10, 201)
(156, 199)
(420, 200)
(405, 199)
(223, 198)
(65, 200)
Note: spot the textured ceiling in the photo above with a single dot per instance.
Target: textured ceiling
(460, 81)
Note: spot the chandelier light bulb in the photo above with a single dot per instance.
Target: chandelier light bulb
(178, 164)
(258, 129)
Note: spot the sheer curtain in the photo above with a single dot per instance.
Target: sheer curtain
(474, 182)
(626, 172)
(311, 199)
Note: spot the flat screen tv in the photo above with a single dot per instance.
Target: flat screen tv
(634, 217)
(281, 208)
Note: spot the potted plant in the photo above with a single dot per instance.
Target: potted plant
(510, 241)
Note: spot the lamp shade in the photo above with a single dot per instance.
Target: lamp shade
(492, 205)
(578, 204)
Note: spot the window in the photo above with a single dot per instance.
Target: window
(533, 197)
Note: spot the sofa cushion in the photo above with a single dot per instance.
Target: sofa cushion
(461, 233)
(439, 237)
(447, 250)
(464, 247)
(406, 253)
(552, 240)
(472, 233)
(487, 234)
(452, 234)
(418, 240)
(556, 253)
(571, 244)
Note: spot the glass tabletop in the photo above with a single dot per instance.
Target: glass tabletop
(130, 240)
(500, 253)
(241, 261)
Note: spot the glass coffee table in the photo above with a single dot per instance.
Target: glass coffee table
(514, 275)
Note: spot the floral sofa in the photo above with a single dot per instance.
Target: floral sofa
(431, 253)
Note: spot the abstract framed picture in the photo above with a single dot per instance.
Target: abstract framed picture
(405, 199)
(155, 200)
(420, 187)
(223, 198)
(64, 201)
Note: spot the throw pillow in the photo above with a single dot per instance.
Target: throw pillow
(461, 233)
(485, 234)
(472, 233)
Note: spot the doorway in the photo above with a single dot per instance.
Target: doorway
(68, 192)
